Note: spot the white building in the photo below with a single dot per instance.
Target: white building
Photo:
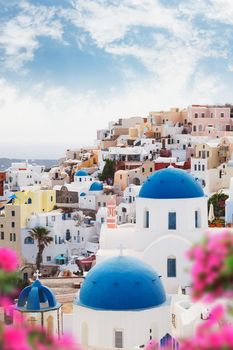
(126, 210)
(82, 178)
(22, 175)
(71, 236)
(161, 235)
(122, 304)
(128, 153)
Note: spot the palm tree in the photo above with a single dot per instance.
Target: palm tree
(41, 235)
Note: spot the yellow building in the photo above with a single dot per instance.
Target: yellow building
(14, 216)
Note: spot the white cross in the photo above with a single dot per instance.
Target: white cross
(37, 274)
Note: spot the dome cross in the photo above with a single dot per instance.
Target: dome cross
(37, 274)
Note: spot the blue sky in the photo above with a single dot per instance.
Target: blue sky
(68, 67)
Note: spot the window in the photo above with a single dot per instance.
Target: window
(51, 198)
(2, 235)
(222, 115)
(172, 221)
(48, 258)
(197, 219)
(102, 220)
(53, 218)
(12, 224)
(14, 237)
(151, 170)
(118, 339)
(203, 167)
(68, 235)
(195, 115)
(146, 219)
(104, 204)
(211, 115)
(13, 213)
(99, 204)
(29, 201)
(199, 167)
(28, 240)
(11, 237)
(203, 115)
(208, 153)
(195, 167)
(143, 170)
(194, 128)
(171, 266)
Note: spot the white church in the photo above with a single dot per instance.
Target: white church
(171, 214)
(137, 290)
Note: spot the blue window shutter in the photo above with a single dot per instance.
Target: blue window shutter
(171, 267)
(172, 221)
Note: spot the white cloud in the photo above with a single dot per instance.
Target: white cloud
(174, 46)
(19, 36)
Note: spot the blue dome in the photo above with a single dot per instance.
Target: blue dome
(81, 173)
(96, 186)
(82, 194)
(31, 298)
(121, 283)
(171, 183)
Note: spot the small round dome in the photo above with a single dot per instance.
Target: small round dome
(171, 183)
(96, 186)
(82, 194)
(121, 283)
(81, 173)
(37, 297)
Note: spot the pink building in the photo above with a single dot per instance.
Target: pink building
(215, 121)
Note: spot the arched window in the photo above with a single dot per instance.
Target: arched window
(171, 266)
(29, 201)
(200, 127)
(68, 235)
(197, 218)
(172, 220)
(28, 240)
(146, 219)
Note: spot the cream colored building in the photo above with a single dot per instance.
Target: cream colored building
(174, 115)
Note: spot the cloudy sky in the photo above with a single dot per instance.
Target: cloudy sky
(68, 67)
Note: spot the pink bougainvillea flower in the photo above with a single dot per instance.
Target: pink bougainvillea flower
(8, 260)
(212, 269)
(15, 338)
(151, 345)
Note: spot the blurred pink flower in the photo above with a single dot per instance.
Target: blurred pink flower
(15, 338)
(8, 260)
